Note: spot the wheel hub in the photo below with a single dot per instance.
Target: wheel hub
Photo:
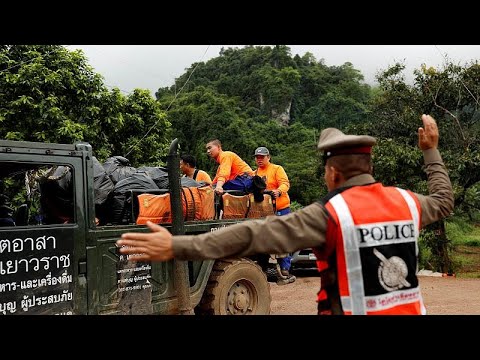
(239, 301)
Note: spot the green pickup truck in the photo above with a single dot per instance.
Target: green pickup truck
(73, 267)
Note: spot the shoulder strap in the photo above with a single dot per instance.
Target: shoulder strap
(332, 193)
(195, 173)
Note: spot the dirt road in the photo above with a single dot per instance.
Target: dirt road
(442, 296)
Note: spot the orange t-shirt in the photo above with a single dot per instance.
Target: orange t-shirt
(203, 176)
(231, 165)
(276, 178)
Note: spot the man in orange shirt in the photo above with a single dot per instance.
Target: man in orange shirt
(233, 173)
(188, 166)
(277, 181)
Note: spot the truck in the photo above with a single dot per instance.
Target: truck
(73, 267)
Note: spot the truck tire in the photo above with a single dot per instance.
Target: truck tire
(236, 287)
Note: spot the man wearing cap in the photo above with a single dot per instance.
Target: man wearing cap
(277, 181)
(364, 234)
(275, 177)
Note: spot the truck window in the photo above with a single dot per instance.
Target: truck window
(36, 194)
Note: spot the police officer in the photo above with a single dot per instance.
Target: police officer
(363, 233)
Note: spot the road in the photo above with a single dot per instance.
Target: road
(442, 296)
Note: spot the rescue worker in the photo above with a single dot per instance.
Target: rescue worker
(233, 173)
(363, 233)
(188, 167)
(277, 181)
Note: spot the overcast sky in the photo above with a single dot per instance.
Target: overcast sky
(152, 66)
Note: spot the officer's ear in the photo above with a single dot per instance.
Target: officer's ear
(336, 177)
(329, 173)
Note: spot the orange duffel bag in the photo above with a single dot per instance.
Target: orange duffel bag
(197, 204)
(235, 206)
(207, 209)
(154, 208)
(261, 209)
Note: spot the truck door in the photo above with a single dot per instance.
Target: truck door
(41, 252)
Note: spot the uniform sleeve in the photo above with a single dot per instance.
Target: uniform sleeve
(439, 203)
(282, 180)
(225, 168)
(275, 234)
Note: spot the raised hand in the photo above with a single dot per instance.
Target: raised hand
(428, 135)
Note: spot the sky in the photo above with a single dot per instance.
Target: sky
(154, 66)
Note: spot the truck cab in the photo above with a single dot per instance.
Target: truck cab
(55, 259)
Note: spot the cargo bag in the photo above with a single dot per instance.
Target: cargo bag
(235, 206)
(197, 204)
(261, 209)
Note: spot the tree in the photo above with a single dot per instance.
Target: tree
(48, 94)
(451, 95)
(334, 110)
(297, 153)
(277, 88)
(260, 96)
(51, 94)
(202, 115)
(145, 133)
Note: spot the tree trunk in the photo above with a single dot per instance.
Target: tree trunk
(441, 248)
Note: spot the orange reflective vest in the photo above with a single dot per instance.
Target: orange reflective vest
(372, 248)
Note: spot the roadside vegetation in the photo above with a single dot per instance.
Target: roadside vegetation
(463, 245)
(465, 237)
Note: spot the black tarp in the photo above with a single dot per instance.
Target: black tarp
(121, 201)
(118, 168)
(188, 182)
(102, 184)
(158, 174)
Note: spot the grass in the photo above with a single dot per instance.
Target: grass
(465, 239)
(461, 232)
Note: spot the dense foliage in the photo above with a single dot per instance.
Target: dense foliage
(262, 96)
(451, 95)
(48, 93)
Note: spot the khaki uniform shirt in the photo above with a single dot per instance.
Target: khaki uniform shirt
(307, 227)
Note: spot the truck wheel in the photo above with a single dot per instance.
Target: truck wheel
(236, 287)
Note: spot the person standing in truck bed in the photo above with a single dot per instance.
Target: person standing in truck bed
(233, 173)
(277, 181)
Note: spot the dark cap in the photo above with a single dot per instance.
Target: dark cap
(261, 151)
(334, 142)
